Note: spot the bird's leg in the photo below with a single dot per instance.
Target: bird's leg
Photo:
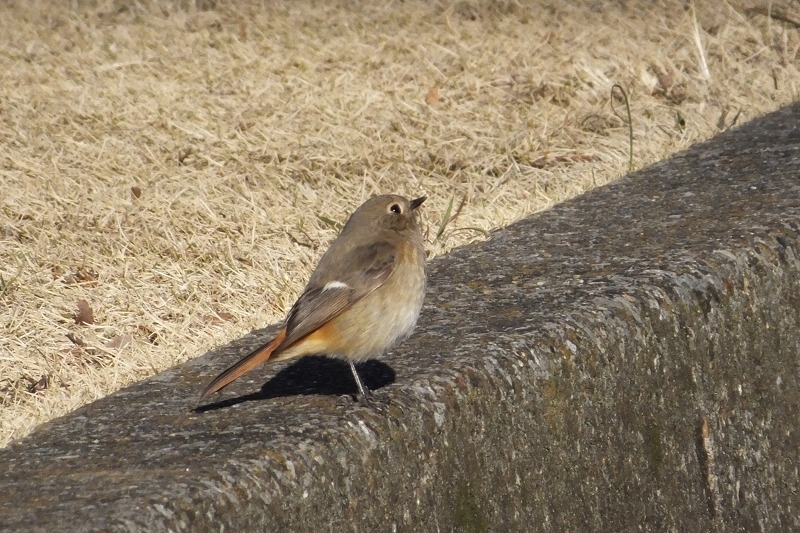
(366, 395)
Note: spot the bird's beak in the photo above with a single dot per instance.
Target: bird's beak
(415, 203)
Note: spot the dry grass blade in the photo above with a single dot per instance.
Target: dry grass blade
(628, 120)
(771, 12)
(447, 218)
(698, 42)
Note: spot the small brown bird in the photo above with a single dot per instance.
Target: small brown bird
(363, 298)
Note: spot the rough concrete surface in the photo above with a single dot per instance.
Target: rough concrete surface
(625, 361)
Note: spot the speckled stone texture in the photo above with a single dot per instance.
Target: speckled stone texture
(626, 361)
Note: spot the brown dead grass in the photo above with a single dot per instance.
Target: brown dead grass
(180, 167)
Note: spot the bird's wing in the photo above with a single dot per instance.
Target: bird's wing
(368, 267)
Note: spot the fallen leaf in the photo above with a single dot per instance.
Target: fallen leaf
(136, 192)
(36, 386)
(84, 315)
(432, 97)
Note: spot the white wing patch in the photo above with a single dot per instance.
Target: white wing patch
(335, 285)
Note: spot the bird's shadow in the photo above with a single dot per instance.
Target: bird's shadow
(314, 375)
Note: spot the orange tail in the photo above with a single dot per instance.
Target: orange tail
(246, 364)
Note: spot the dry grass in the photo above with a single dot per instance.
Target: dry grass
(180, 167)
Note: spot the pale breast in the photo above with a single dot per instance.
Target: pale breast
(386, 316)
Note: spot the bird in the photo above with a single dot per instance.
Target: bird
(363, 298)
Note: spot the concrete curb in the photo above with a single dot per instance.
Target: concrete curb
(627, 360)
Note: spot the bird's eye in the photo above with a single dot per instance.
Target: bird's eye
(395, 208)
